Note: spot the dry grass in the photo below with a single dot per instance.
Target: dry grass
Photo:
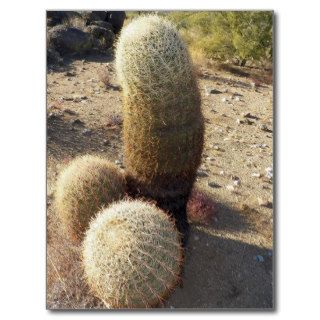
(66, 288)
(104, 77)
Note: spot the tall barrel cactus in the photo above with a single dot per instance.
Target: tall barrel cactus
(163, 123)
(83, 187)
(132, 255)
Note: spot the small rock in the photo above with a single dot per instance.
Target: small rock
(77, 122)
(105, 142)
(249, 115)
(86, 132)
(247, 121)
(215, 147)
(221, 173)
(70, 74)
(68, 111)
(209, 159)
(201, 173)
(264, 203)
(212, 91)
(53, 116)
(238, 121)
(237, 183)
(264, 127)
(214, 185)
(79, 98)
(224, 100)
(237, 99)
(258, 258)
(118, 162)
(196, 238)
(67, 98)
(230, 187)
(257, 175)
(269, 172)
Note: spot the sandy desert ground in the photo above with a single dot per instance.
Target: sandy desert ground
(229, 261)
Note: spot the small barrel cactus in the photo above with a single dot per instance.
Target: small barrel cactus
(163, 123)
(132, 255)
(86, 185)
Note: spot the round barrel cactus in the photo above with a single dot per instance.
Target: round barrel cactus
(132, 255)
(163, 123)
(86, 185)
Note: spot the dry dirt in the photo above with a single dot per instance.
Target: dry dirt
(228, 261)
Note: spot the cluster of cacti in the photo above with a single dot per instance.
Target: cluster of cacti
(163, 123)
(86, 185)
(132, 255)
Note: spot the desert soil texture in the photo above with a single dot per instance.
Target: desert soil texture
(229, 256)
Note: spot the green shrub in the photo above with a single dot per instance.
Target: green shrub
(242, 35)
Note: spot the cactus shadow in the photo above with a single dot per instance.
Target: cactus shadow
(224, 273)
(67, 60)
(229, 219)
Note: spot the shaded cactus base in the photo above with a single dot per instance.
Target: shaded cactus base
(174, 202)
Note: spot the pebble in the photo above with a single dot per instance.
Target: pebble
(70, 74)
(224, 100)
(269, 172)
(221, 173)
(263, 127)
(105, 142)
(258, 258)
(209, 159)
(86, 132)
(236, 99)
(118, 162)
(77, 122)
(230, 187)
(215, 147)
(212, 91)
(79, 98)
(237, 183)
(196, 238)
(238, 121)
(257, 175)
(201, 173)
(264, 203)
(68, 111)
(214, 185)
(52, 115)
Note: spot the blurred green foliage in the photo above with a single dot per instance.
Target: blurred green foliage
(240, 35)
